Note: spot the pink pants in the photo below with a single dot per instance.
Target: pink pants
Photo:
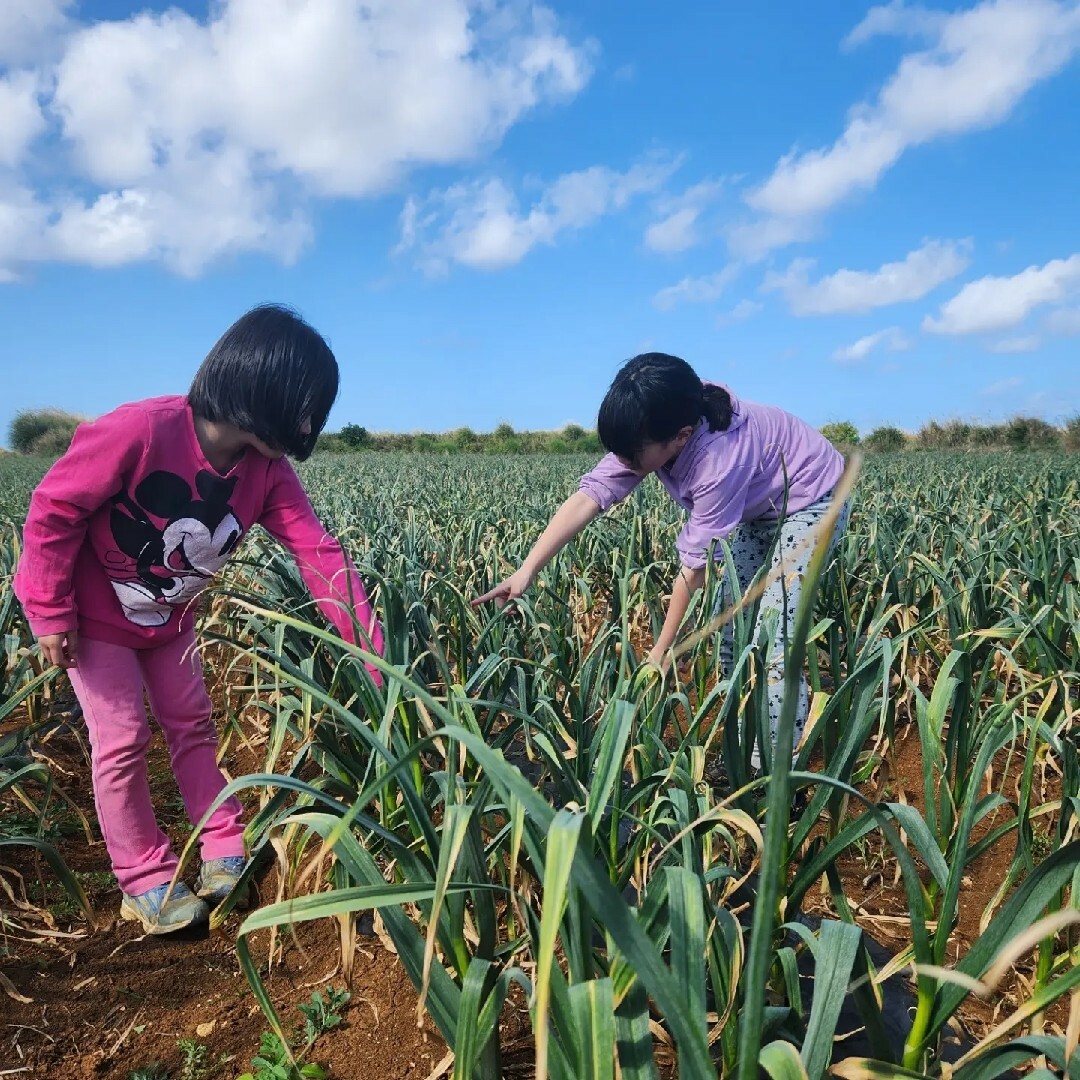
(109, 681)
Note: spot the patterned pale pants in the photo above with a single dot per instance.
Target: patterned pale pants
(750, 544)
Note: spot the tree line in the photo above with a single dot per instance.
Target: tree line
(48, 433)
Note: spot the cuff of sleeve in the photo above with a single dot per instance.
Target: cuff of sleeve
(56, 624)
(599, 494)
(693, 562)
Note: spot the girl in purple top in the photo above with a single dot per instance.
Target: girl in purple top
(738, 468)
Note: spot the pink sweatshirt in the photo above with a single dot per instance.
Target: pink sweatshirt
(133, 522)
(727, 477)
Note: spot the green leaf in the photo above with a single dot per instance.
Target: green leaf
(781, 1061)
(835, 955)
(593, 1006)
(686, 910)
(634, 1039)
(615, 726)
(562, 842)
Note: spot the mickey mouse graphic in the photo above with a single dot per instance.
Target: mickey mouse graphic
(175, 562)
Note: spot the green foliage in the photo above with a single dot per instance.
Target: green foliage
(153, 1071)
(29, 819)
(841, 433)
(322, 1014)
(885, 440)
(277, 1061)
(196, 1063)
(1022, 433)
(529, 806)
(498, 859)
(355, 437)
(18, 477)
(1030, 433)
(572, 439)
(1072, 433)
(42, 432)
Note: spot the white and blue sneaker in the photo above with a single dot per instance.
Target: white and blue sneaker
(159, 915)
(218, 878)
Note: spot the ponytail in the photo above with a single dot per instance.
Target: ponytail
(716, 407)
(652, 398)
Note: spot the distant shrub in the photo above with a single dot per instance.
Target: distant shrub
(952, 435)
(503, 440)
(464, 438)
(1071, 438)
(332, 443)
(842, 433)
(1030, 433)
(885, 440)
(355, 437)
(1020, 433)
(46, 432)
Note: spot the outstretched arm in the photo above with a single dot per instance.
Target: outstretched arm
(569, 520)
(327, 571)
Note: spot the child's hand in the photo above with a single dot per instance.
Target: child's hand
(660, 659)
(60, 649)
(510, 589)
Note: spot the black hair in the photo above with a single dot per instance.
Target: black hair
(267, 374)
(652, 398)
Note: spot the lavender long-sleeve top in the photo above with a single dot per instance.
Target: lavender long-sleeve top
(727, 477)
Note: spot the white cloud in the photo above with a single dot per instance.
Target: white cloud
(1016, 345)
(896, 19)
(890, 338)
(1065, 322)
(743, 310)
(30, 29)
(482, 225)
(218, 210)
(21, 118)
(981, 63)
(700, 290)
(850, 291)
(281, 102)
(1000, 303)
(23, 221)
(679, 226)
(319, 90)
(754, 240)
(1002, 386)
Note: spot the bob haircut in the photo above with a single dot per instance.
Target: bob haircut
(268, 374)
(652, 398)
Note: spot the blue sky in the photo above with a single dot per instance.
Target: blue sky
(853, 211)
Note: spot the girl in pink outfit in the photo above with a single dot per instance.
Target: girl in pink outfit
(126, 529)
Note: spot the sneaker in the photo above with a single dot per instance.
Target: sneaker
(218, 878)
(159, 915)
